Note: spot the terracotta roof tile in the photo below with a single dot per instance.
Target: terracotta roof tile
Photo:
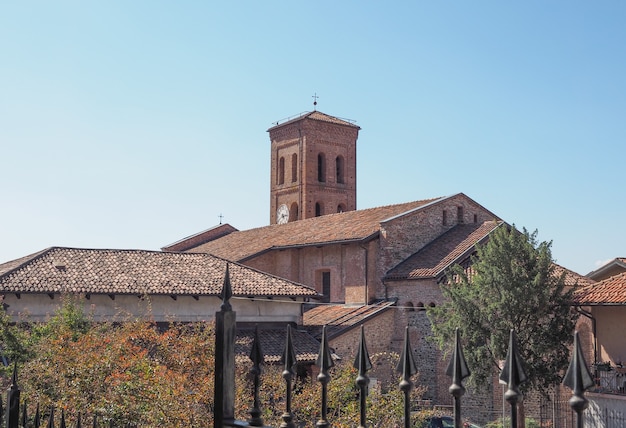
(432, 260)
(200, 238)
(340, 318)
(572, 278)
(59, 270)
(273, 344)
(346, 226)
(611, 291)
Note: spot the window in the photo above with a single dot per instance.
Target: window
(321, 168)
(293, 212)
(326, 286)
(294, 168)
(339, 166)
(475, 218)
(459, 215)
(341, 208)
(281, 171)
(444, 220)
(319, 210)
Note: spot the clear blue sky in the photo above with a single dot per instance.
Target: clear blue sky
(132, 124)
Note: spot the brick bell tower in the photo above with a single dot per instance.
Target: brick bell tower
(313, 169)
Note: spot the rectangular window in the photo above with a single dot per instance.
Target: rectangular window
(326, 286)
(459, 215)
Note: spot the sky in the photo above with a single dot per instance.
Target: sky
(133, 124)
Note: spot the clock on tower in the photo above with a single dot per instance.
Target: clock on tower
(282, 214)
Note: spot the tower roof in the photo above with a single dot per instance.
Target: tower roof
(315, 115)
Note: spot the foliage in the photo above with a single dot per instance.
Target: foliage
(133, 373)
(13, 346)
(69, 318)
(512, 285)
(129, 373)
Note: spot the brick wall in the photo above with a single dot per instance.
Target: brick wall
(306, 139)
(404, 235)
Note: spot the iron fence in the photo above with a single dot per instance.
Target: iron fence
(578, 379)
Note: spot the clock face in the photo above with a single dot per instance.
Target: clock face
(282, 214)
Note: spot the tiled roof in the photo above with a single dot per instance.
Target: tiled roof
(340, 318)
(572, 278)
(59, 270)
(200, 238)
(432, 260)
(331, 228)
(316, 115)
(611, 291)
(273, 344)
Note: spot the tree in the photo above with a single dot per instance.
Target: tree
(512, 284)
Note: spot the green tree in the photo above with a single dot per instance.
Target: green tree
(512, 284)
(13, 342)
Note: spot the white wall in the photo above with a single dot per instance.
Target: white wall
(605, 411)
(39, 307)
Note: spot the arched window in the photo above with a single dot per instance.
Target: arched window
(293, 212)
(294, 168)
(341, 208)
(321, 168)
(281, 171)
(319, 209)
(339, 166)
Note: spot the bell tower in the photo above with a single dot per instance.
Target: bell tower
(313, 170)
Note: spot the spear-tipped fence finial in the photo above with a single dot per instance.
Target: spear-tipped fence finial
(363, 364)
(37, 421)
(13, 402)
(457, 370)
(289, 361)
(51, 418)
(227, 290)
(324, 363)
(256, 355)
(578, 378)
(407, 368)
(513, 376)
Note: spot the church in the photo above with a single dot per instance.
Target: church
(379, 267)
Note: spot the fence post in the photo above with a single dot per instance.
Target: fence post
(578, 378)
(457, 370)
(225, 329)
